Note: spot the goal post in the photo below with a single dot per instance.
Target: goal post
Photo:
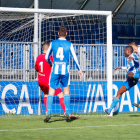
(84, 19)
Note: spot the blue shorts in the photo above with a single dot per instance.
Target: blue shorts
(130, 83)
(55, 79)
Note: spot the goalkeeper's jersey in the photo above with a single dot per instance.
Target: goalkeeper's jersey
(132, 65)
(61, 49)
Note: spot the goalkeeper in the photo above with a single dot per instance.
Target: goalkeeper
(44, 70)
(132, 75)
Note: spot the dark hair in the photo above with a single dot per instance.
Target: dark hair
(133, 43)
(129, 48)
(62, 30)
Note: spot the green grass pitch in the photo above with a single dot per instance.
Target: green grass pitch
(123, 126)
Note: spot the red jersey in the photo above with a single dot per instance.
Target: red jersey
(43, 68)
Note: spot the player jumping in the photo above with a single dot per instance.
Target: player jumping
(132, 72)
(44, 70)
(60, 71)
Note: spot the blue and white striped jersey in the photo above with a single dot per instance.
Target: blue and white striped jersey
(61, 48)
(133, 65)
(138, 53)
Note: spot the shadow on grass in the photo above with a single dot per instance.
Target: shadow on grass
(62, 119)
(134, 115)
(116, 113)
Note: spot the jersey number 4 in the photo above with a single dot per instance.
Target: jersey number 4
(59, 53)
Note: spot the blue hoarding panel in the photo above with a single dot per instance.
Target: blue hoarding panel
(23, 98)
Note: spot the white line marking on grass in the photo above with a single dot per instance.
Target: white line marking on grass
(70, 127)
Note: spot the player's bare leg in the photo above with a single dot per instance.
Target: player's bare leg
(49, 104)
(67, 103)
(121, 90)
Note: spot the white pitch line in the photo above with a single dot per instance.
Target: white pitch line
(69, 127)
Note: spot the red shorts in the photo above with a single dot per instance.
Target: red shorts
(45, 88)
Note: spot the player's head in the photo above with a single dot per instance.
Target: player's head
(128, 51)
(62, 32)
(45, 47)
(134, 45)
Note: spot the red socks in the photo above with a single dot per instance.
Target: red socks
(61, 101)
(45, 103)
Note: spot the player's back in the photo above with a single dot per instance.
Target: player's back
(61, 49)
(43, 68)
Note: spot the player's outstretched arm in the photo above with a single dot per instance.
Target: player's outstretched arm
(80, 74)
(117, 68)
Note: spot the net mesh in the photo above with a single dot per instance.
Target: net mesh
(17, 27)
(86, 32)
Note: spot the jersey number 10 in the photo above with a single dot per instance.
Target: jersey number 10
(59, 53)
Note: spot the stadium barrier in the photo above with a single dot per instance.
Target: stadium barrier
(17, 62)
(23, 98)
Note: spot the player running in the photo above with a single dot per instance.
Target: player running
(136, 49)
(60, 70)
(44, 70)
(132, 71)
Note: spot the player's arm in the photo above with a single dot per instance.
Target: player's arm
(76, 60)
(123, 68)
(51, 58)
(47, 56)
(117, 68)
(36, 67)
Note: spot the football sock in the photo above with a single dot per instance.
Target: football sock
(49, 104)
(45, 103)
(67, 103)
(115, 101)
(61, 101)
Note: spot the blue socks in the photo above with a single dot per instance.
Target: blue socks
(115, 101)
(67, 103)
(49, 104)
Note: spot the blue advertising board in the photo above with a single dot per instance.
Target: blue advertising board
(23, 98)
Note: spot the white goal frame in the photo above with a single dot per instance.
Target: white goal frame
(108, 15)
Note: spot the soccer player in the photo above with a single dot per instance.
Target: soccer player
(60, 71)
(44, 70)
(132, 71)
(136, 49)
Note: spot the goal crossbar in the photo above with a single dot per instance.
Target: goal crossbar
(30, 10)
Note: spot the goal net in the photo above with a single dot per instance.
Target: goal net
(89, 31)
